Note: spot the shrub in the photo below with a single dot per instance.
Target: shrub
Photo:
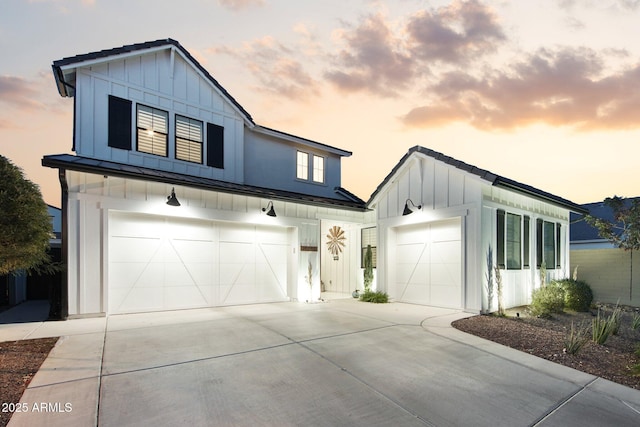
(546, 301)
(375, 297)
(574, 340)
(577, 294)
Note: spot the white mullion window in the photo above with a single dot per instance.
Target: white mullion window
(152, 127)
(318, 169)
(188, 139)
(302, 165)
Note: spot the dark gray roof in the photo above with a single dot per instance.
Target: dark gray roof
(582, 231)
(63, 86)
(343, 200)
(494, 179)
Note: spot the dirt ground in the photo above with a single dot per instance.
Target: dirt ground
(19, 362)
(546, 338)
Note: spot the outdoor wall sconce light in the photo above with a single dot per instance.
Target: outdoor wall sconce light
(271, 211)
(172, 200)
(407, 210)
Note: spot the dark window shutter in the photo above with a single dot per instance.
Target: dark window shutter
(119, 123)
(526, 242)
(215, 146)
(539, 243)
(500, 239)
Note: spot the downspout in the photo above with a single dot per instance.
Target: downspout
(63, 296)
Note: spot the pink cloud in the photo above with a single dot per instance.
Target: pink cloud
(564, 87)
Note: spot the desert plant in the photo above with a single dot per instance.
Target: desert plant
(601, 328)
(499, 291)
(547, 301)
(489, 277)
(577, 294)
(635, 321)
(615, 319)
(575, 339)
(368, 268)
(377, 297)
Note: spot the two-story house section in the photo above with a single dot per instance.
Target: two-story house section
(175, 197)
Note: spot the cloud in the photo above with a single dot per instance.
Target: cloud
(457, 33)
(21, 97)
(18, 92)
(383, 59)
(565, 87)
(280, 70)
(240, 4)
(372, 60)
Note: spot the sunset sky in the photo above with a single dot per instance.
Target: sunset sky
(544, 92)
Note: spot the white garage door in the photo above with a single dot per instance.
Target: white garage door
(162, 263)
(429, 264)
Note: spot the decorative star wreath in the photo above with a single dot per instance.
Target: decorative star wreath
(335, 241)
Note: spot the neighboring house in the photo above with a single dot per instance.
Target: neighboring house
(437, 255)
(17, 288)
(262, 215)
(605, 267)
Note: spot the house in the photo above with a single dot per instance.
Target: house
(605, 267)
(176, 198)
(249, 203)
(440, 219)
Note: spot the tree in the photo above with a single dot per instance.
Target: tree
(25, 226)
(624, 230)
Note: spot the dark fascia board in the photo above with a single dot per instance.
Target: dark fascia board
(78, 59)
(108, 168)
(493, 179)
(294, 138)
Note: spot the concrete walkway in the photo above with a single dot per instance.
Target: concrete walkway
(288, 364)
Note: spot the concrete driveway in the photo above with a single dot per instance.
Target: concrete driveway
(290, 364)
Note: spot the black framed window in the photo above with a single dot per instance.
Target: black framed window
(548, 244)
(119, 132)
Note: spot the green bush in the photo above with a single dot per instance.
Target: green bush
(575, 339)
(546, 301)
(375, 297)
(601, 328)
(577, 294)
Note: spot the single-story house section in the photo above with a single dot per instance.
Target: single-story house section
(605, 267)
(175, 198)
(439, 221)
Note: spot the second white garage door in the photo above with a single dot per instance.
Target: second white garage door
(429, 264)
(162, 263)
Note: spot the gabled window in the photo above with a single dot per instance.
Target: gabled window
(369, 237)
(188, 139)
(302, 165)
(152, 127)
(318, 169)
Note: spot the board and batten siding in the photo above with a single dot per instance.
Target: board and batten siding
(91, 197)
(149, 79)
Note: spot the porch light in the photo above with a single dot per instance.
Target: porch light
(270, 211)
(407, 210)
(172, 200)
